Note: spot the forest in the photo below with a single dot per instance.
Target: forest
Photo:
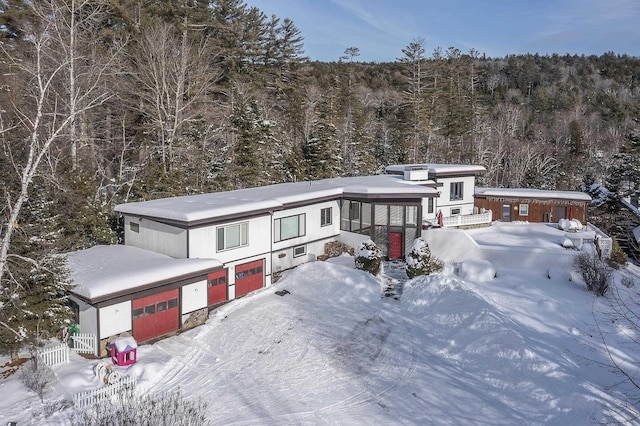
(111, 101)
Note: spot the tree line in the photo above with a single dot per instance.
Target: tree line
(112, 101)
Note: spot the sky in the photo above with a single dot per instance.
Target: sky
(481, 343)
(382, 28)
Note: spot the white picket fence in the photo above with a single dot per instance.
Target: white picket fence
(124, 388)
(54, 355)
(85, 343)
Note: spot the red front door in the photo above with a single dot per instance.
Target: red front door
(217, 287)
(155, 315)
(249, 277)
(395, 245)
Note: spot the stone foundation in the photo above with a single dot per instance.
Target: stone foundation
(104, 349)
(195, 318)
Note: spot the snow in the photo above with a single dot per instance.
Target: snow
(194, 208)
(438, 169)
(532, 193)
(104, 270)
(457, 348)
(124, 344)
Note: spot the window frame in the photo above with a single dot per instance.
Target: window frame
(456, 211)
(326, 216)
(456, 191)
(134, 227)
(525, 207)
(301, 232)
(223, 231)
(304, 250)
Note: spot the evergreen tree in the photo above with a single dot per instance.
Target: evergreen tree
(321, 152)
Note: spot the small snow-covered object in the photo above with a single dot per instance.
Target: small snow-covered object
(476, 270)
(282, 292)
(124, 351)
(567, 243)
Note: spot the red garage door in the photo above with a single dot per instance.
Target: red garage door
(249, 277)
(217, 287)
(155, 315)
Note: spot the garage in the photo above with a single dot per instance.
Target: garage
(249, 277)
(217, 287)
(156, 315)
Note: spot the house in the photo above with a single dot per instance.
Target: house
(455, 184)
(532, 205)
(184, 255)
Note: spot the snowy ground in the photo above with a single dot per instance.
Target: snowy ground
(517, 349)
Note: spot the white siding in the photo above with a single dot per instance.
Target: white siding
(194, 296)
(313, 229)
(284, 258)
(154, 236)
(444, 202)
(115, 319)
(202, 241)
(88, 317)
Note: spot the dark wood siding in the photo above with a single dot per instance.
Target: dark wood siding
(539, 210)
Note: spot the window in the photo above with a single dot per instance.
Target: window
(172, 303)
(289, 227)
(325, 216)
(134, 227)
(150, 310)
(138, 313)
(299, 251)
(430, 205)
(162, 306)
(456, 191)
(455, 211)
(411, 215)
(524, 210)
(232, 236)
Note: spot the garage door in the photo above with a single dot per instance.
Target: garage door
(217, 287)
(155, 315)
(249, 277)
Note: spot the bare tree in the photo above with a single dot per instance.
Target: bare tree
(172, 78)
(37, 125)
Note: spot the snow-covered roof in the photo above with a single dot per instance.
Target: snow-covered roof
(124, 343)
(438, 169)
(102, 272)
(532, 193)
(218, 205)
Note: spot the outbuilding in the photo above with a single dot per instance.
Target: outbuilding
(532, 205)
(127, 291)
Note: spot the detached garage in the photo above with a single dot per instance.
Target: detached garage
(124, 290)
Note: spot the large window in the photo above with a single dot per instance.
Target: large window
(325, 216)
(456, 191)
(232, 236)
(289, 227)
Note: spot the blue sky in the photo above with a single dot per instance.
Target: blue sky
(382, 28)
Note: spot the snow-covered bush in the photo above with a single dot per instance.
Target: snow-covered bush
(570, 225)
(420, 261)
(595, 272)
(368, 257)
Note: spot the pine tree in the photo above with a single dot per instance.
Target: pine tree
(321, 152)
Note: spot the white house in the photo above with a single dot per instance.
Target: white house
(241, 238)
